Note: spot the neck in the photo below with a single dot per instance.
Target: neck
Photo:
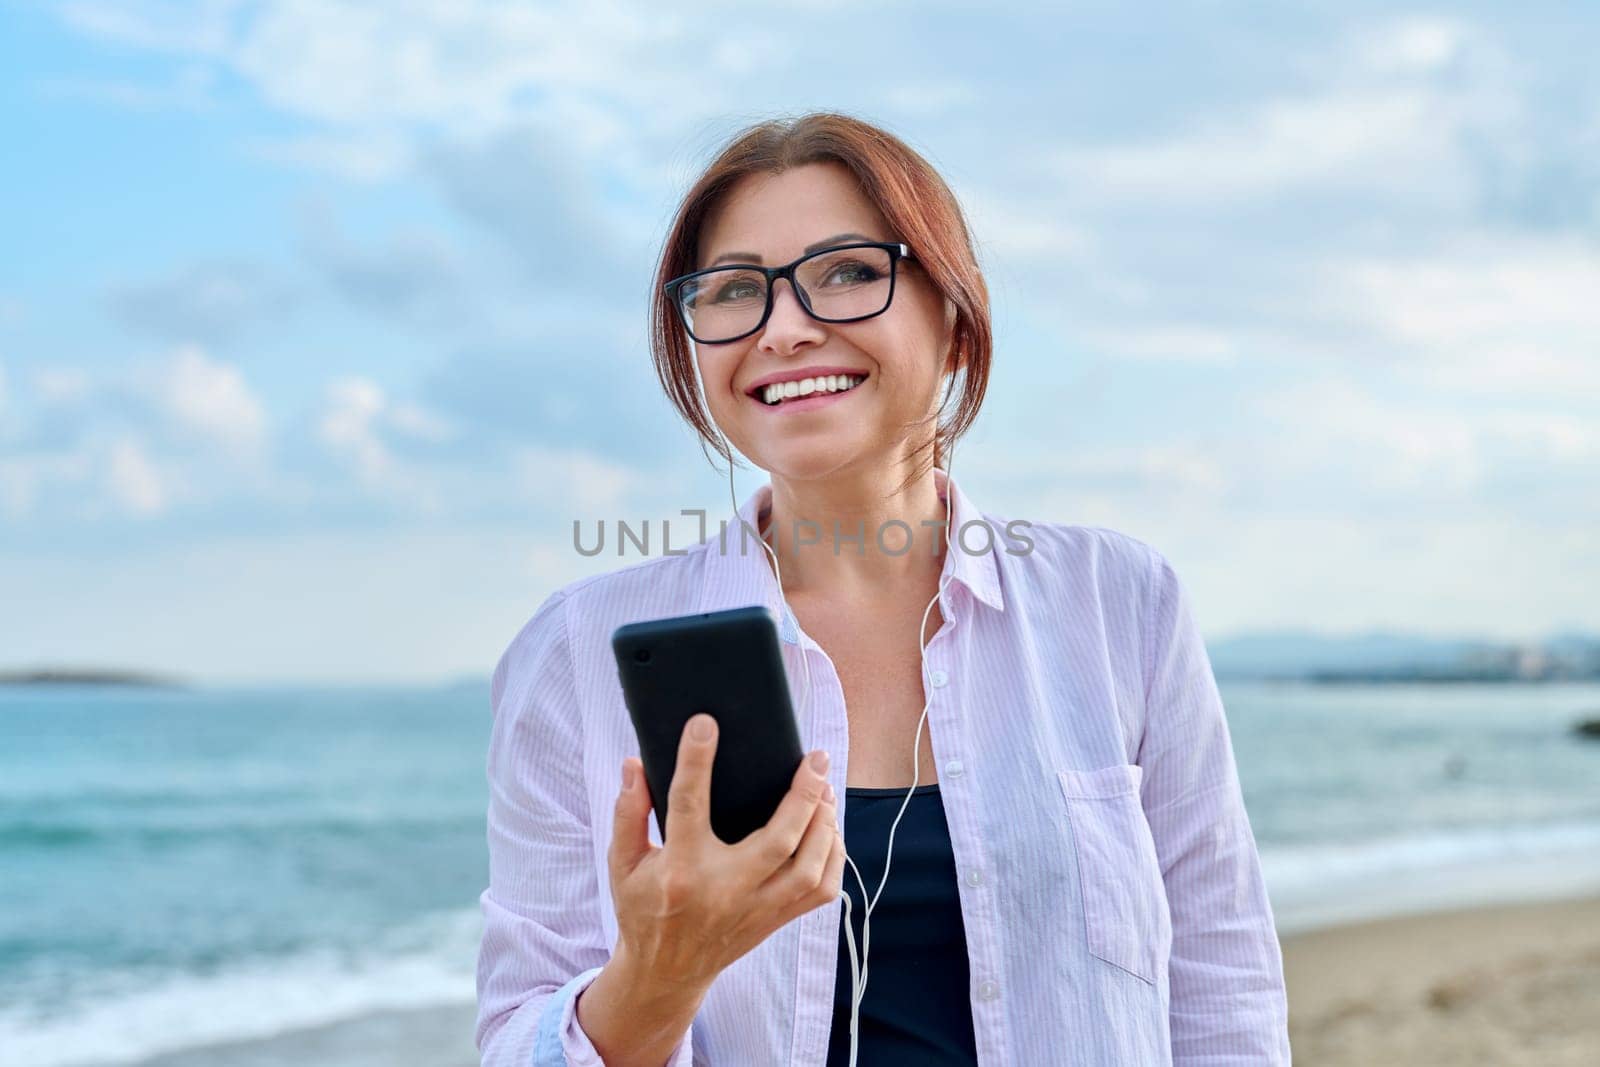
(871, 520)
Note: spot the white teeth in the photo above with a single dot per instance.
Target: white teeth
(828, 383)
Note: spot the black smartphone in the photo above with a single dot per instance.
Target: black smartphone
(726, 663)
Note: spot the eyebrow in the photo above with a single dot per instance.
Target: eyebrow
(752, 257)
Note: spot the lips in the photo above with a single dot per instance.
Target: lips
(800, 404)
(787, 394)
(755, 388)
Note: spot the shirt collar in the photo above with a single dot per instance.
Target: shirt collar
(738, 571)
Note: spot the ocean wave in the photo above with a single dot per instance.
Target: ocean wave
(141, 794)
(182, 828)
(1319, 884)
(128, 1016)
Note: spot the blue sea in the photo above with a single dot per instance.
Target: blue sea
(181, 867)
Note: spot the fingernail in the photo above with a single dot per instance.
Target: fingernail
(819, 761)
(827, 792)
(627, 776)
(702, 728)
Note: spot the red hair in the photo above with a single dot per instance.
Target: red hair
(907, 192)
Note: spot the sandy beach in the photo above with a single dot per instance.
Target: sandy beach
(430, 1037)
(1514, 985)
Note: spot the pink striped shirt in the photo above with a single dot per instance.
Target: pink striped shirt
(1109, 882)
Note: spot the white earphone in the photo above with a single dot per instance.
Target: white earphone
(858, 971)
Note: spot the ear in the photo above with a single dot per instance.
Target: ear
(952, 362)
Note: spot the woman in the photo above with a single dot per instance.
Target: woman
(1075, 877)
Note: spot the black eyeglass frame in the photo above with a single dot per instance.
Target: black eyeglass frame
(897, 251)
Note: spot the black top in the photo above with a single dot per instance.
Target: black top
(918, 1007)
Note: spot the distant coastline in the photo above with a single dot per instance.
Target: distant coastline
(1284, 656)
(1382, 658)
(1427, 676)
(89, 676)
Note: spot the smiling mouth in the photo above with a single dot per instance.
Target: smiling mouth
(780, 393)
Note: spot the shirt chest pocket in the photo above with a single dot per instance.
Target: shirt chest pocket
(1124, 900)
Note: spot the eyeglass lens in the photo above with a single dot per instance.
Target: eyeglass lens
(844, 284)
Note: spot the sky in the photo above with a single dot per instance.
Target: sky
(321, 322)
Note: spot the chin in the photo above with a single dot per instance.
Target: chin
(805, 464)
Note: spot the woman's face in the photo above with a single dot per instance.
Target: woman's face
(899, 352)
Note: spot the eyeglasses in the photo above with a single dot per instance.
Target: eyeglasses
(845, 283)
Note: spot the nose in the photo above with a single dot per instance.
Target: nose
(789, 325)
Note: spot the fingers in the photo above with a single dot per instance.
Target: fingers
(814, 876)
(772, 845)
(630, 831)
(689, 796)
(833, 873)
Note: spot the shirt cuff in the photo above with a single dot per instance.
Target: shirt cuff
(562, 1041)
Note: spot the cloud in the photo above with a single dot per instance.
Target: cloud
(1401, 107)
(1371, 214)
(26, 475)
(133, 481)
(567, 389)
(467, 63)
(200, 26)
(190, 90)
(210, 303)
(591, 486)
(1392, 450)
(1317, 446)
(1487, 312)
(138, 441)
(212, 399)
(367, 431)
(425, 62)
(375, 86)
(348, 427)
(1413, 43)
(1283, 144)
(366, 156)
(1018, 230)
(930, 99)
(59, 385)
(525, 189)
(413, 421)
(475, 64)
(1362, 452)
(414, 275)
(1175, 470)
(1186, 342)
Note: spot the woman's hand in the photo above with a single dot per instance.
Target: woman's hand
(689, 908)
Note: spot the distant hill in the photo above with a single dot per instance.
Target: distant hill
(1298, 651)
(88, 676)
(1383, 655)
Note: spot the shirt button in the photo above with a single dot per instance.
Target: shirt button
(988, 990)
(974, 877)
(939, 678)
(953, 769)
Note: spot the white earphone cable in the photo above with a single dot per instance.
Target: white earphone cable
(858, 970)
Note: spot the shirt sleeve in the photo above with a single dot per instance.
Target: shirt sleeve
(543, 943)
(1228, 1004)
